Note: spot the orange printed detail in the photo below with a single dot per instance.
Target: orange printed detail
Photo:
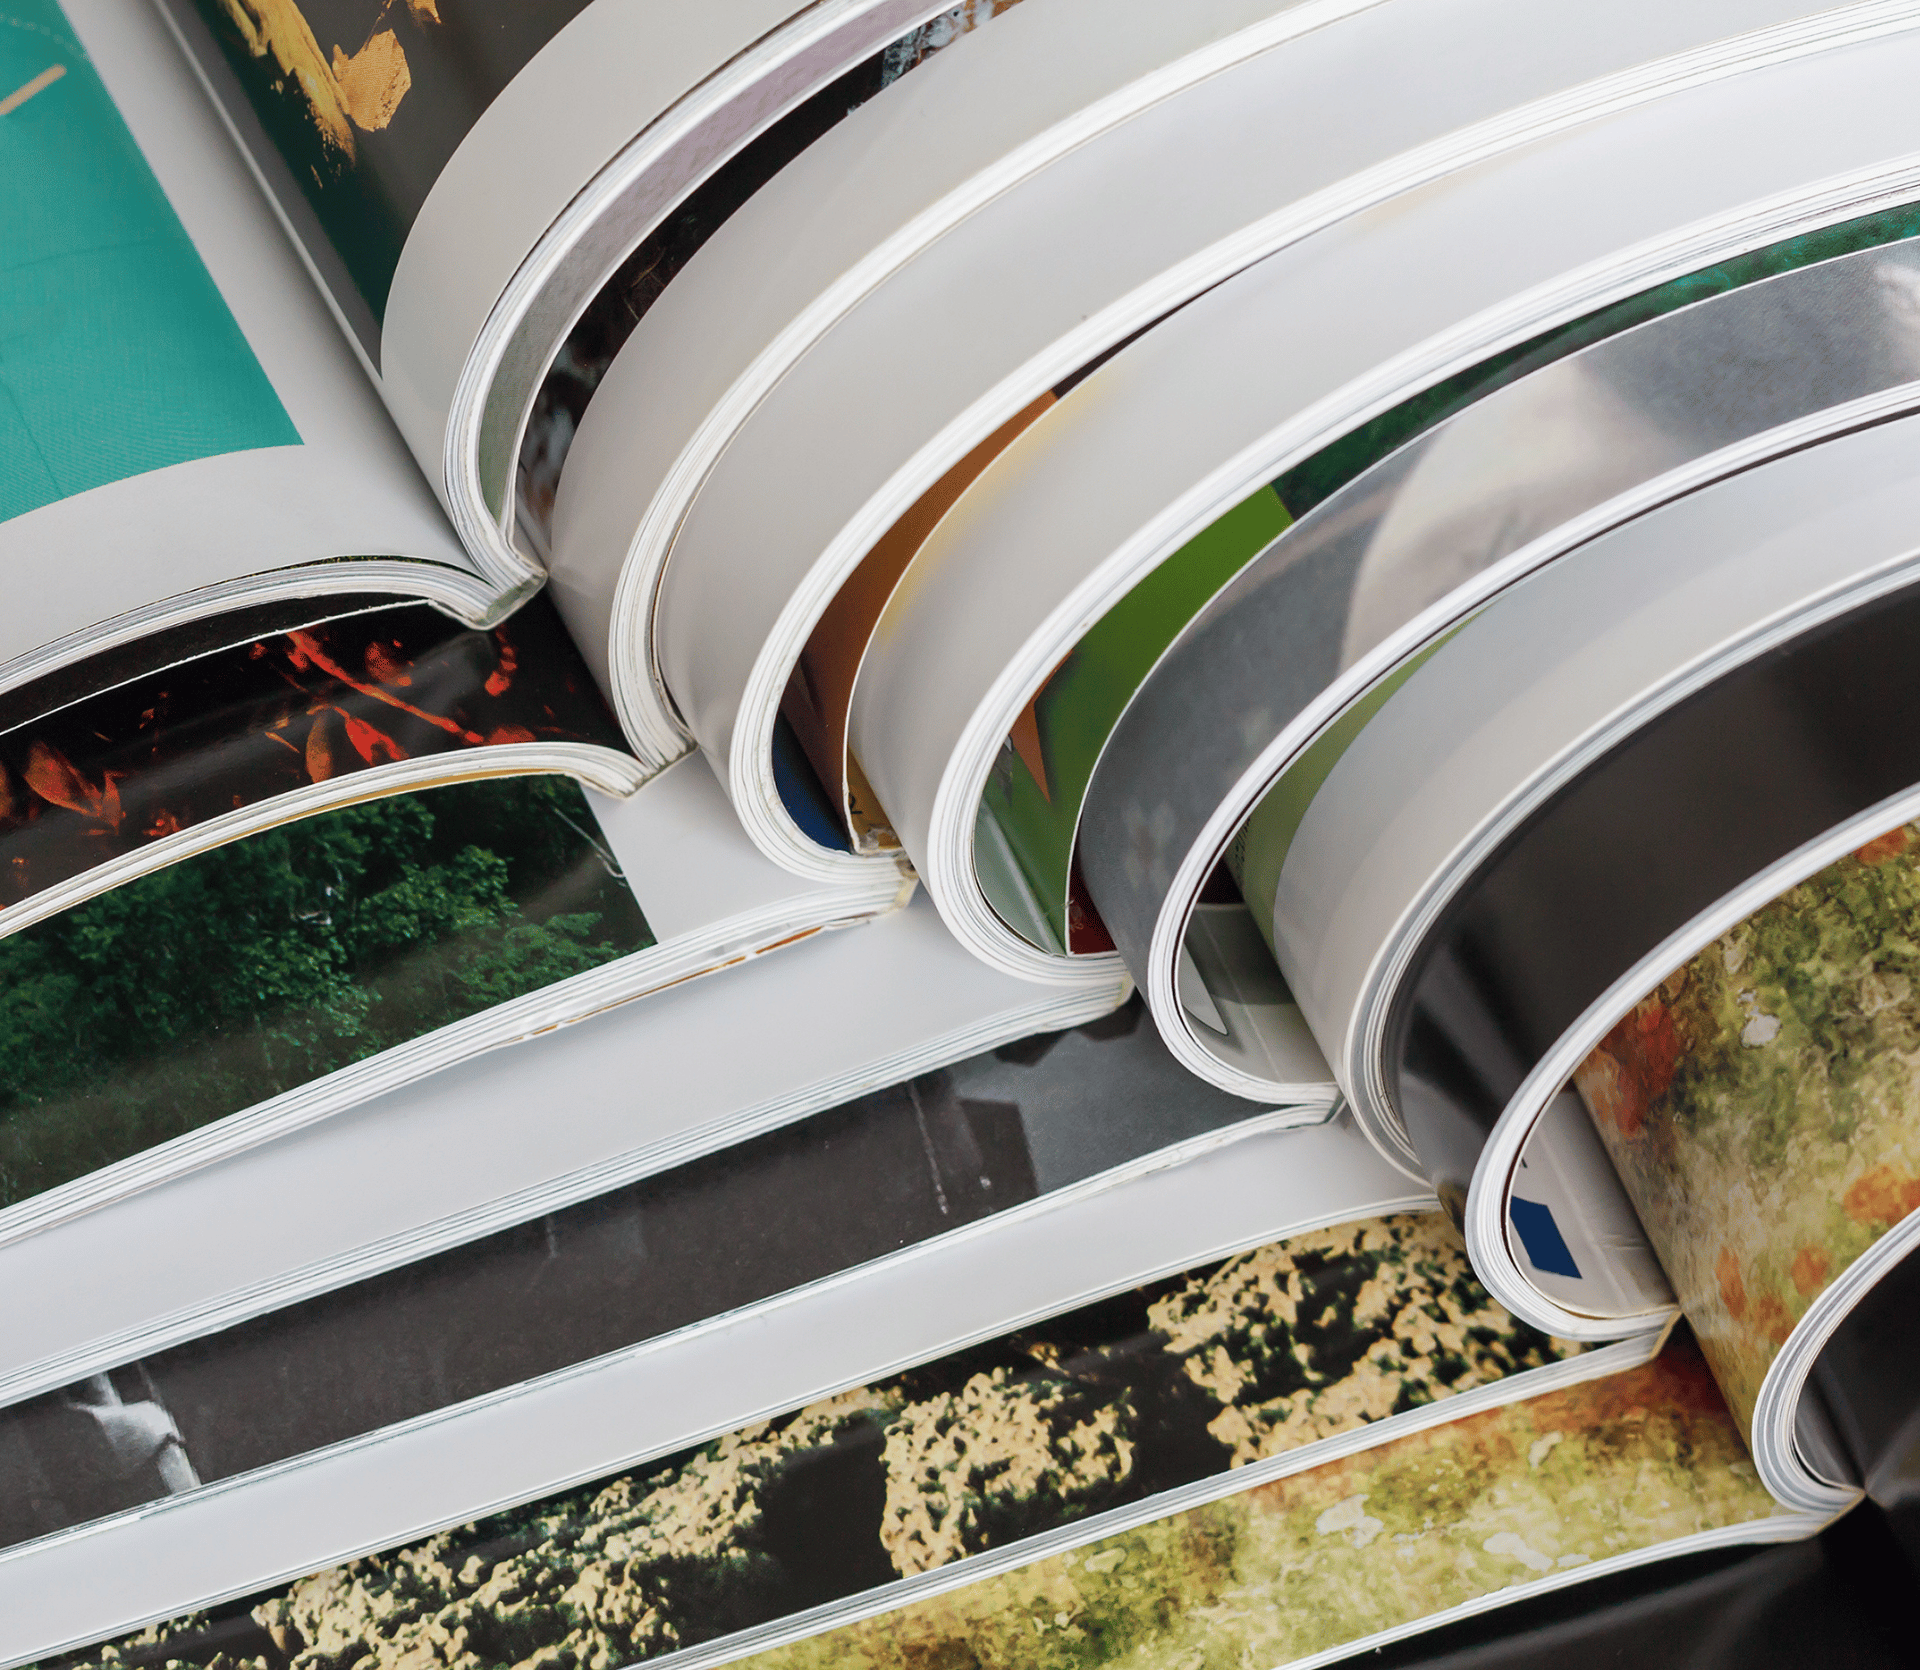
(369, 741)
(1733, 1290)
(241, 725)
(307, 652)
(52, 777)
(320, 764)
(1771, 1318)
(1883, 847)
(387, 668)
(1632, 1068)
(1810, 1267)
(1880, 1195)
(501, 678)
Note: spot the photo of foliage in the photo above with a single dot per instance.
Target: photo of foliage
(120, 355)
(367, 99)
(105, 775)
(1307, 1563)
(199, 991)
(1322, 1333)
(1763, 1105)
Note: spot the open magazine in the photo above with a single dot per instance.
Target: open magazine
(913, 1220)
(1316, 1445)
(1325, 1442)
(1032, 1127)
(633, 351)
(1401, 551)
(272, 717)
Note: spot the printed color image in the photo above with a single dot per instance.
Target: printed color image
(1322, 1333)
(106, 775)
(1761, 1106)
(117, 353)
(893, 1168)
(367, 99)
(1385, 1538)
(208, 987)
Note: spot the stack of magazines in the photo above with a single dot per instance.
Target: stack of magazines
(1056, 833)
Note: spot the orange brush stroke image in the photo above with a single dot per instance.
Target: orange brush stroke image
(146, 761)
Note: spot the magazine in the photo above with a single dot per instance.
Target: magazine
(510, 1138)
(1087, 1240)
(1383, 525)
(787, 411)
(1197, 507)
(496, 271)
(1342, 1412)
(1643, 401)
(307, 714)
(382, 150)
(1768, 1235)
(337, 958)
(1013, 1128)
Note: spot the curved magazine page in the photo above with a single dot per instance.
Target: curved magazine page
(1026, 1264)
(311, 948)
(677, 235)
(1349, 599)
(860, 202)
(485, 1145)
(1779, 1290)
(1159, 1388)
(1758, 1110)
(457, 227)
(186, 431)
(1588, 649)
(1015, 1129)
(1645, 844)
(1235, 164)
(140, 772)
(1154, 445)
(1860, 1383)
(360, 109)
(1560, 1488)
(592, 231)
(820, 689)
(1170, 1388)
(1403, 511)
(361, 949)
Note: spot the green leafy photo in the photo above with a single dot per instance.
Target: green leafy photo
(262, 966)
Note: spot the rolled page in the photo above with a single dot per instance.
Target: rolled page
(1154, 446)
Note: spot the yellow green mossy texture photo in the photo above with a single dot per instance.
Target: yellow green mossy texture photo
(1255, 1357)
(1763, 1105)
(1420, 1525)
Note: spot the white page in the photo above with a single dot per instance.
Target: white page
(913, 355)
(708, 900)
(688, 1386)
(319, 473)
(490, 1141)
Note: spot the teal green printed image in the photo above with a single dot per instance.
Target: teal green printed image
(117, 353)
